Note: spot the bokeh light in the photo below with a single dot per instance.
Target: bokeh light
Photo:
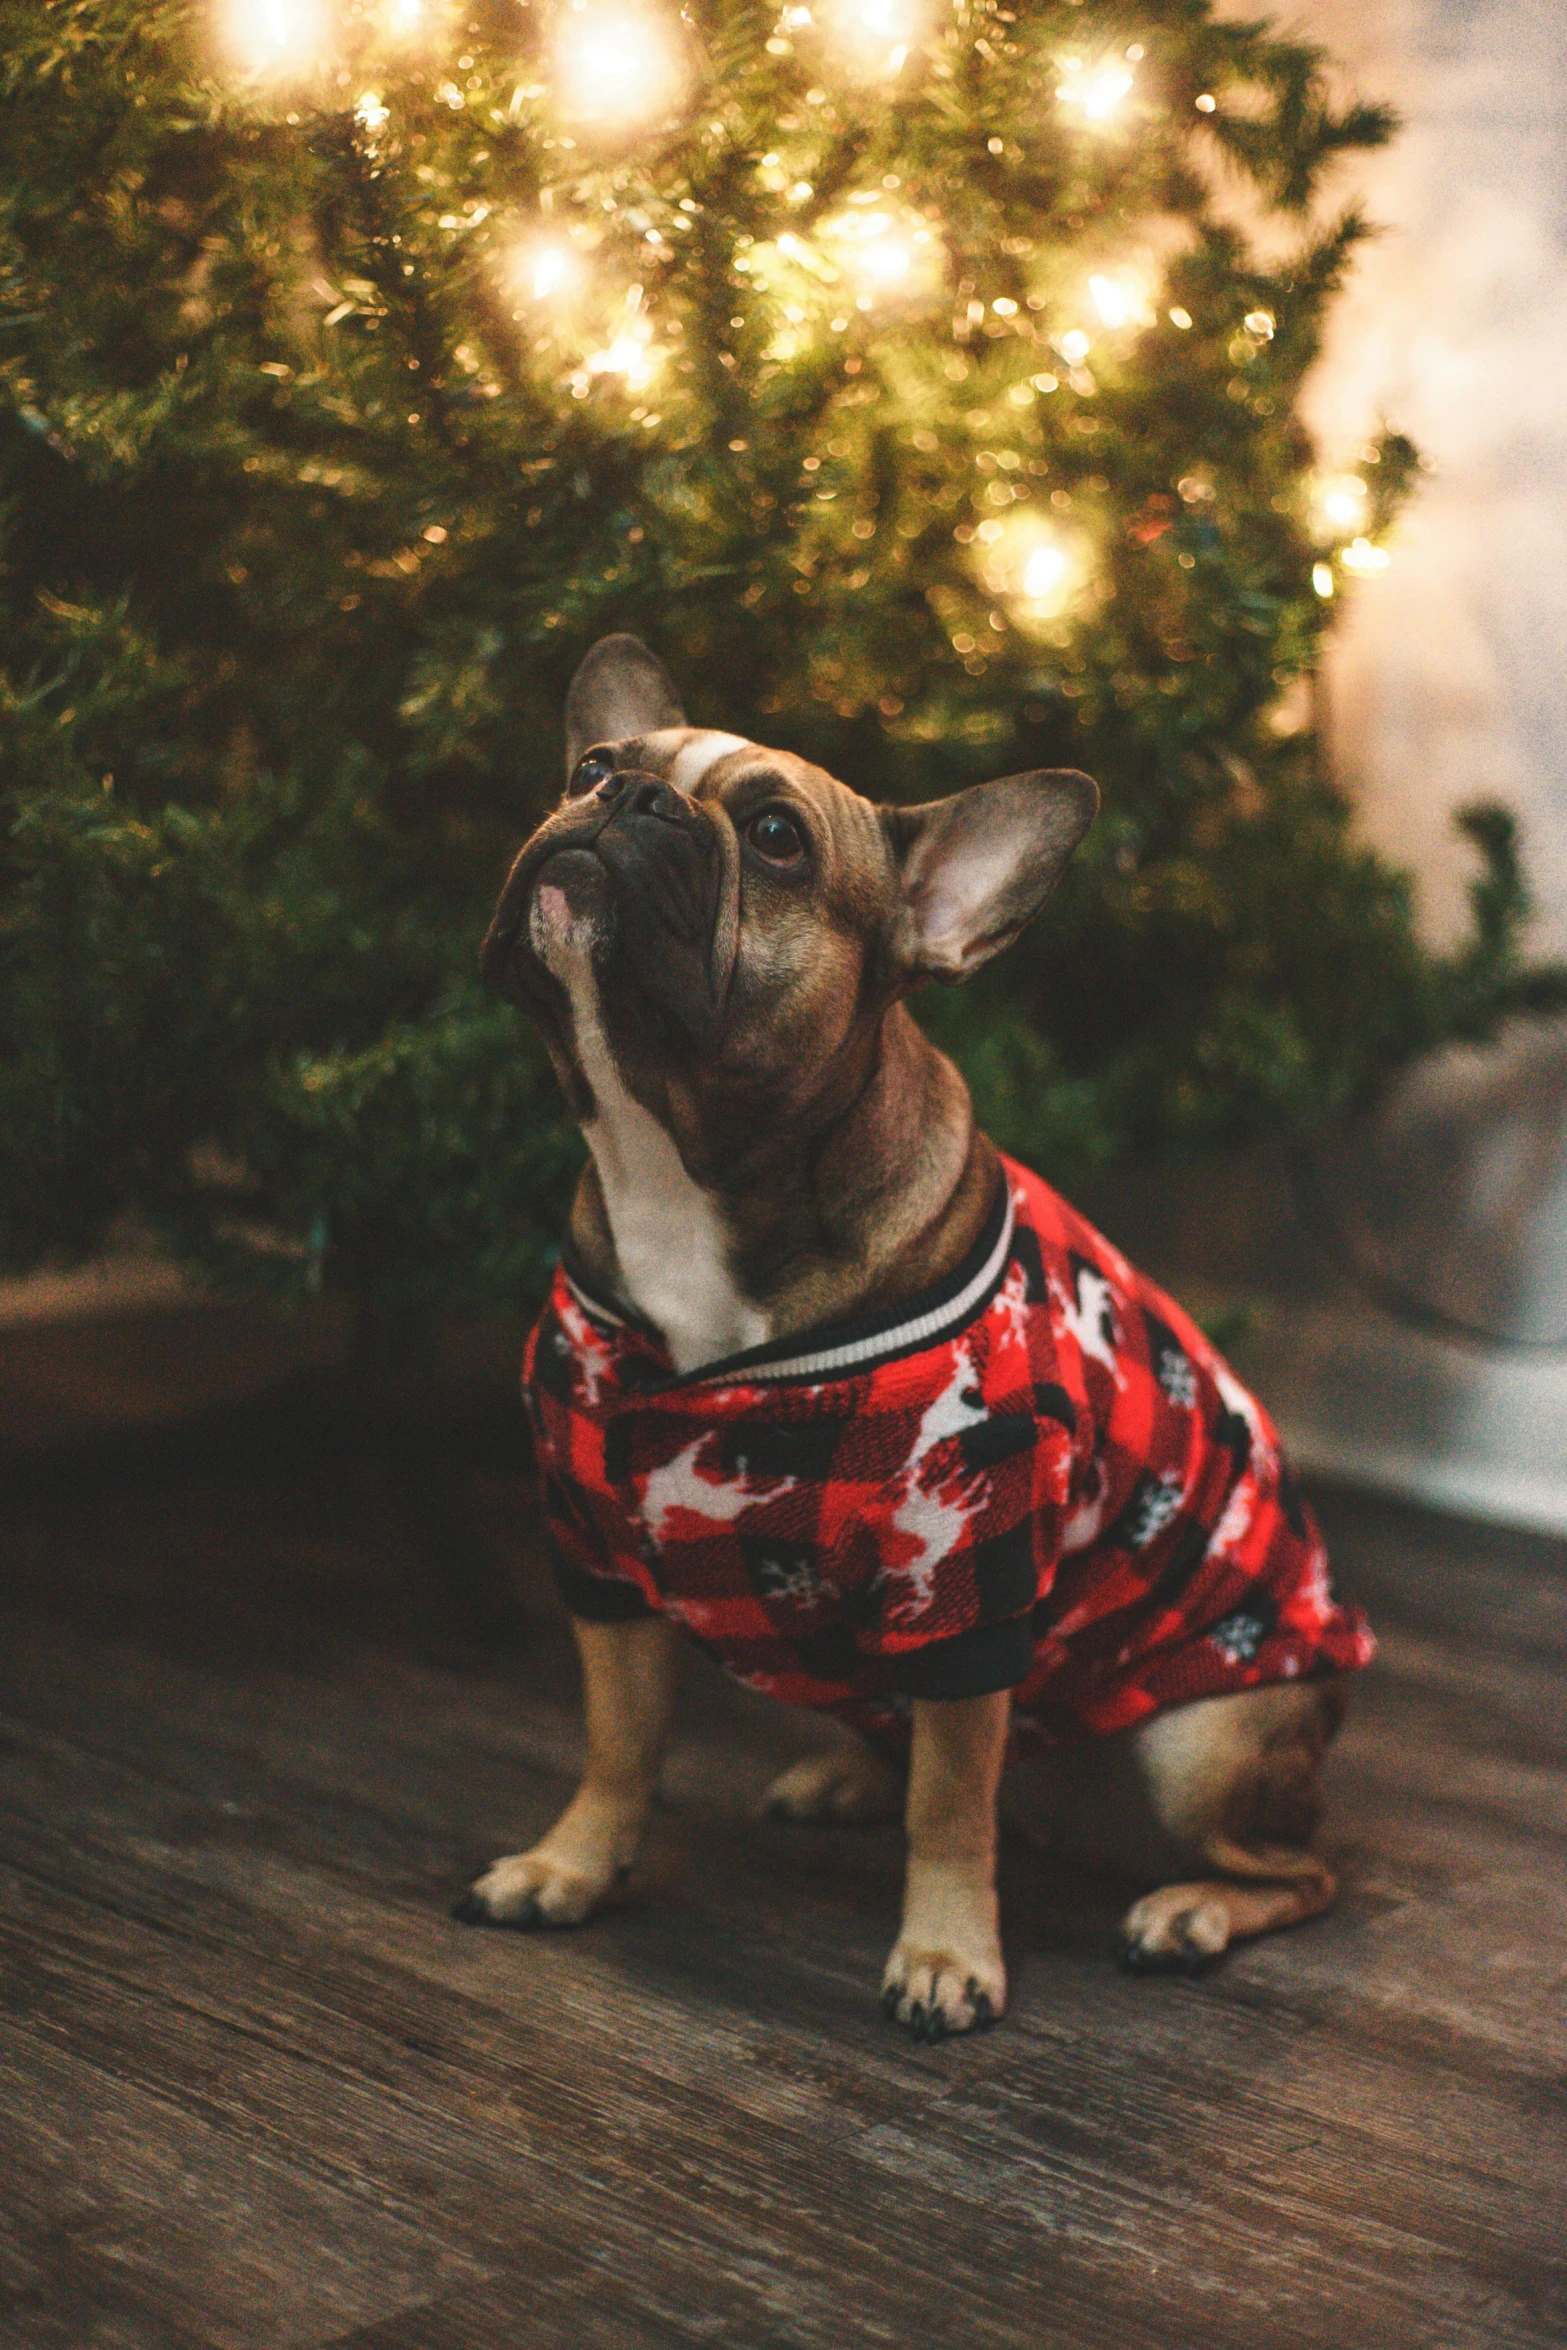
(1036, 569)
(275, 37)
(873, 37)
(615, 65)
(1097, 91)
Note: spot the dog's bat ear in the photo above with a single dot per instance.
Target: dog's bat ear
(620, 689)
(979, 866)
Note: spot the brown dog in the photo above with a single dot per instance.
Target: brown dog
(716, 940)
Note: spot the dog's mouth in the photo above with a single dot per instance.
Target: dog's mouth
(648, 878)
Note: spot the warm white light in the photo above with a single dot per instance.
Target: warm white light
(1045, 571)
(548, 269)
(1261, 324)
(1121, 300)
(632, 354)
(1361, 557)
(1074, 346)
(275, 36)
(1035, 570)
(1097, 90)
(1181, 318)
(874, 36)
(370, 114)
(1343, 502)
(1322, 579)
(614, 65)
(883, 252)
(405, 18)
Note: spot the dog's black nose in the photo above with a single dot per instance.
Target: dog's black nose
(652, 798)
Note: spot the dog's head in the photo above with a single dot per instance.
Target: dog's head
(734, 920)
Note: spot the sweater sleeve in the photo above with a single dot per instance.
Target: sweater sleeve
(595, 1585)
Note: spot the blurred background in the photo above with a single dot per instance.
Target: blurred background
(942, 390)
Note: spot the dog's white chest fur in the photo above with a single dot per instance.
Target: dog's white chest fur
(669, 1236)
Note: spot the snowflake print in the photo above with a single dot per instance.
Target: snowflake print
(1238, 1638)
(1178, 1379)
(1157, 1502)
(787, 1578)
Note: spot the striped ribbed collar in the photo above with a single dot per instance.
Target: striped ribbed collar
(842, 1348)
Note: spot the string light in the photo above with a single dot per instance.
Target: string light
(371, 113)
(1341, 503)
(1098, 91)
(872, 36)
(545, 267)
(405, 20)
(614, 65)
(883, 252)
(1322, 579)
(1121, 300)
(1361, 557)
(275, 36)
(1037, 571)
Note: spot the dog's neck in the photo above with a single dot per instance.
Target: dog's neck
(876, 1196)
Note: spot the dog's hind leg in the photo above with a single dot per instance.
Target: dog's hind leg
(1217, 1802)
(1237, 1782)
(848, 1783)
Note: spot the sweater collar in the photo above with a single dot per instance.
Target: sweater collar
(839, 1349)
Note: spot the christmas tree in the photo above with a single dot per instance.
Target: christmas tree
(896, 367)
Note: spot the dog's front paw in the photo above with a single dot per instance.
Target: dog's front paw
(531, 1889)
(845, 1784)
(934, 1992)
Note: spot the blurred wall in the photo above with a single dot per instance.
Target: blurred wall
(1448, 680)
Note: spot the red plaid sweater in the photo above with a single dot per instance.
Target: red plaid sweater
(1038, 1476)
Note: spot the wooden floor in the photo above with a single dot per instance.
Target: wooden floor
(257, 2091)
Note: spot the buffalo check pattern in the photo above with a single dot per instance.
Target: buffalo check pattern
(1039, 1476)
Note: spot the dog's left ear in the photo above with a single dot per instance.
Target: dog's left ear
(979, 866)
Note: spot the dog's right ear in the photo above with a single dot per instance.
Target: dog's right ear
(620, 690)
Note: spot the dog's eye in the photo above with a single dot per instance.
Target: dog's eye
(775, 837)
(589, 773)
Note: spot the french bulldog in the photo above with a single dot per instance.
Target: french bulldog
(828, 1383)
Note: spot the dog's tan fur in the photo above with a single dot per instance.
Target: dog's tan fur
(759, 1030)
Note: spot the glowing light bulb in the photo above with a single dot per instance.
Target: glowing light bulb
(1322, 579)
(1340, 504)
(1096, 90)
(1035, 570)
(1361, 557)
(1121, 300)
(370, 113)
(275, 36)
(874, 36)
(548, 269)
(405, 18)
(884, 253)
(1074, 346)
(1044, 572)
(614, 65)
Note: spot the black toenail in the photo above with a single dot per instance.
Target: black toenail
(470, 1909)
(984, 2012)
(889, 2001)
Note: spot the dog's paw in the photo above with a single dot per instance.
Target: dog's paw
(1180, 1930)
(841, 1785)
(934, 1992)
(529, 1889)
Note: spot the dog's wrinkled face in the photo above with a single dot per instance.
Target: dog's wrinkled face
(735, 919)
